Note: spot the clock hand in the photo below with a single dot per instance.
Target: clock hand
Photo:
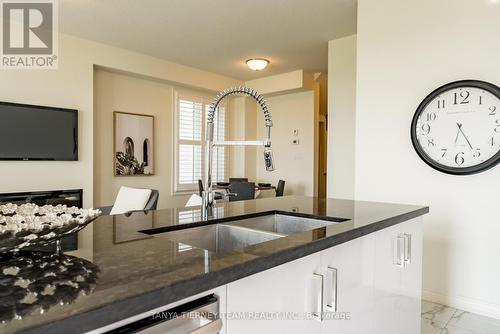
(468, 142)
(458, 133)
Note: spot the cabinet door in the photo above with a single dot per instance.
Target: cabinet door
(387, 281)
(398, 278)
(289, 290)
(411, 278)
(348, 290)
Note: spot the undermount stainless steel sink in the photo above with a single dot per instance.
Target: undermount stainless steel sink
(282, 224)
(220, 237)
(241, 233)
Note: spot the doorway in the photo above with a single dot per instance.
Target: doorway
(322, 155)
(322, 128)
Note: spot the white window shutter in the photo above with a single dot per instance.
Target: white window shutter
(190, 130)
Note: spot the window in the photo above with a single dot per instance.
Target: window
(190, 123)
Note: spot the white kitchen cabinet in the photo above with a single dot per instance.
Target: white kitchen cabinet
(378, 284)
(348, 270)
(287, 290)
(398, 278)
(411, 279)
(375, 280)
(292, 287)
(387, 282)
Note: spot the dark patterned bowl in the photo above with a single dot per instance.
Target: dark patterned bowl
(29, 225)
(47, 279)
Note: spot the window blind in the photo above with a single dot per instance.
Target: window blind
(219, 154)
(190, 129)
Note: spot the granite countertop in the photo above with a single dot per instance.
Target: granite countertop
(130, 272)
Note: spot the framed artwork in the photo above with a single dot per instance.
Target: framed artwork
(133, 144)
(126, 227)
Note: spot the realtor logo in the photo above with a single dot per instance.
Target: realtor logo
(29, 34)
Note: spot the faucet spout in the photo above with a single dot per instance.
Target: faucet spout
(208, 194)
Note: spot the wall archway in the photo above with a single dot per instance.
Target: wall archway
(128, 146)
(146, 152)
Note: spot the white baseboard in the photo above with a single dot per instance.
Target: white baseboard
(464, 303)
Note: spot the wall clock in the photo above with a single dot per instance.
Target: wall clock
(456, 129)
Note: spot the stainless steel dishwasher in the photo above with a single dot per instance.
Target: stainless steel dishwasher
(200, 316)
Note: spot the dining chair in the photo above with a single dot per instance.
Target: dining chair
(200, 187)
(238, 179)
(132, 199)
(280, 188)
(243, 191)
(200, 190)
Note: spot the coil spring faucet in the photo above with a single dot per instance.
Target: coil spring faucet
(208, 193)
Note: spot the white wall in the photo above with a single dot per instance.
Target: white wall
(119, 92)
(242, 126)
(71, 86)
(294, 163)
(406, 49)
(294, 101)
(341, 117)
(284, 83)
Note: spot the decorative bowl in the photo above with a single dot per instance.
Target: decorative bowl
(32, 225)
(34, 282)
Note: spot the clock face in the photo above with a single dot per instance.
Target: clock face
(456, 129)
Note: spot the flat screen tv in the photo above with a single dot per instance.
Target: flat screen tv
(30, 132)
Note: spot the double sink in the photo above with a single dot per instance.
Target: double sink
(238, 234)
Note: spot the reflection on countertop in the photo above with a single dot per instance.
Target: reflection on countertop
(139, 272)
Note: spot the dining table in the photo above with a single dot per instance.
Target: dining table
(258, 188)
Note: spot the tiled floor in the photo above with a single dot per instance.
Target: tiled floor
(440, 319)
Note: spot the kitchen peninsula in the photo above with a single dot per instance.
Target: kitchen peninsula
(315, 258)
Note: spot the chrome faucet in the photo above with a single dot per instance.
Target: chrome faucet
(208, 193)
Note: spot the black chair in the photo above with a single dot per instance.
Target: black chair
(243, 191)
(200, 190)
(280, 188)
(200, 187)
(238, 179)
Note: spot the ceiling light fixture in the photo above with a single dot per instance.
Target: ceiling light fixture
(257, 64)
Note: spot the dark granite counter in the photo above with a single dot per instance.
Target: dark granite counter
(132, 271)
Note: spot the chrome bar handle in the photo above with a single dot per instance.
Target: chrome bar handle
(332, 303)
(407, 248)
(398, 252)
(317, 314)
(213, 327)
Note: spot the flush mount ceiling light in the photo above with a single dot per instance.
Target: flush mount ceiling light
(257, 64)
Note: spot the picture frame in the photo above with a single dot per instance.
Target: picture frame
(133, 144)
